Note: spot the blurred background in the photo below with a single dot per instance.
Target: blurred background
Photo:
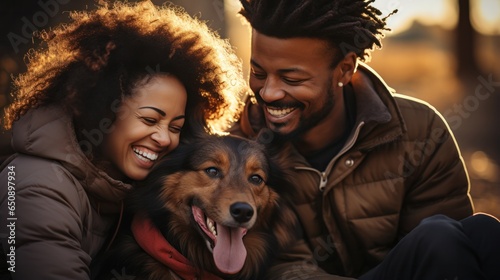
(446, 52)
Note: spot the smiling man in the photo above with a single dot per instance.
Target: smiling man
(369, 164)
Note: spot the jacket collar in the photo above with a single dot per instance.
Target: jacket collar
(376, 108)
(48, 132)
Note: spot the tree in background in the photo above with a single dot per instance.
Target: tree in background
(465, 44)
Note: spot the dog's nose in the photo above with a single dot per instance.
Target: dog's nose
(242, 212)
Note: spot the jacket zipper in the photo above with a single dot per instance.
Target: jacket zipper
(324, 175)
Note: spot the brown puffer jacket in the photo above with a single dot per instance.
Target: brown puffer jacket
(65, 208)
(400, 164)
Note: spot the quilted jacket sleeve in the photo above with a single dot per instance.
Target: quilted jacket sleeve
(46, 235)
(436, 177)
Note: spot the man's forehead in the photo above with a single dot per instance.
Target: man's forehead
(294, 51)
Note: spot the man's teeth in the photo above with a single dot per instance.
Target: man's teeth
(211, 226)
(146, 155)
(280, 112)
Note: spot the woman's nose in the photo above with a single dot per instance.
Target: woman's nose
(162, 137)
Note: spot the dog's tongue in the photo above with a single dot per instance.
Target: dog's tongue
(229, 251)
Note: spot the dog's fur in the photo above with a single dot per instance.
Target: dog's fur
(214, 174)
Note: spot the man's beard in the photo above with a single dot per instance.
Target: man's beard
(306, 124)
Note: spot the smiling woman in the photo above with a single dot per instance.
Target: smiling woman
(104, 97)
(148, 130)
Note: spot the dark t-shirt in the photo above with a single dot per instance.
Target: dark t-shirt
(320, 159)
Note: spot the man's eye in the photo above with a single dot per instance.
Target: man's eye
(259, 76)
(292, 81)
(213, 172)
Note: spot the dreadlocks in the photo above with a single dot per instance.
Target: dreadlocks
(350, 25)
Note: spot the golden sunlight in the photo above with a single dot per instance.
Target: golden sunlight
(485, 16)
(428, 12)
(483, 167)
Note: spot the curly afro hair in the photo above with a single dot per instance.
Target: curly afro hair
(98, 58)
(350, 25)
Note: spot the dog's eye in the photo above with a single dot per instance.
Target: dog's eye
(213, 172)
(255, 179)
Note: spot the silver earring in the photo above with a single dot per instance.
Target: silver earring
(341, 84)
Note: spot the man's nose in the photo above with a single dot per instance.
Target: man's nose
(271, 90)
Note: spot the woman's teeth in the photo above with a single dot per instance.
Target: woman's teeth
(280, 112)
(146, 155)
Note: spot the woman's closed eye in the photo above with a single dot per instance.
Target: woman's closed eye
(176, 129)
(149, 121)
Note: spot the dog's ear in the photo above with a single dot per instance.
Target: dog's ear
(265, 137)
(280, 159)
(195, 134)
(272, 142)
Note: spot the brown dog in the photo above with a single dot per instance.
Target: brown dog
(209, 210)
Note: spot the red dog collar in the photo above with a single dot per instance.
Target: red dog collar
(152, 241)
